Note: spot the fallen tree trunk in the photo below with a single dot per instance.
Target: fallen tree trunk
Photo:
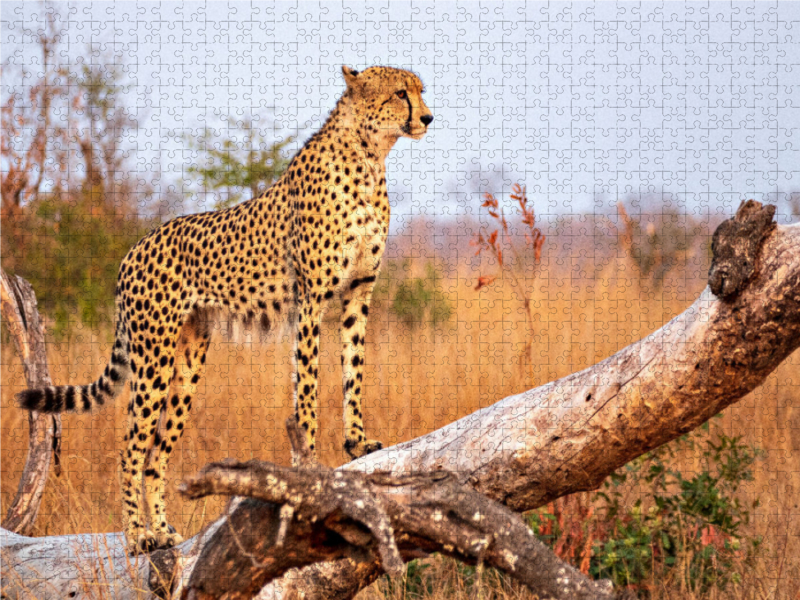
(568, 435)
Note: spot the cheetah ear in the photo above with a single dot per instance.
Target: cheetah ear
(350, 76)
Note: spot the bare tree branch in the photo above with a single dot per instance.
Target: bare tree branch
(18, 308)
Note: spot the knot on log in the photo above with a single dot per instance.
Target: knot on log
(735, 246)
(163, 570)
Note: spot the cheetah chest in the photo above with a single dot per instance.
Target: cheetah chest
(367, 234)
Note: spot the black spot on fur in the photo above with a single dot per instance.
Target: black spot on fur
(51, 400)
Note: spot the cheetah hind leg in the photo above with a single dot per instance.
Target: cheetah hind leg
(190, 357)
(144, 412)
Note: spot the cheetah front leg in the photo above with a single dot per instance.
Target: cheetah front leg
(355, 309)
(307, 366)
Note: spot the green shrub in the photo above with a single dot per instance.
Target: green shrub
(688, 526)
(415, 301)
(70, 251)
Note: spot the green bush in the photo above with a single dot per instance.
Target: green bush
(689, 526)
(415, 301)
(70, 251)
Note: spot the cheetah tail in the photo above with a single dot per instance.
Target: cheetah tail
(81, 398)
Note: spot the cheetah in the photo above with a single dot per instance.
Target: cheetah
(318, 232)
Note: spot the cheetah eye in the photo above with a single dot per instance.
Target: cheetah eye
(402, 95)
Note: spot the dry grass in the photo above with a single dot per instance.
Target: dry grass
(416, 380)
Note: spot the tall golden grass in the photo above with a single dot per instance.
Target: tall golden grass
(416, 381)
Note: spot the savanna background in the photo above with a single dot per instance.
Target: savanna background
(499, 294)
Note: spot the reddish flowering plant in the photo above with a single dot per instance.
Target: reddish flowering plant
(503, 241)
(501, 237)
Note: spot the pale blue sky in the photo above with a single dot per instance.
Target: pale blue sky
(694, 103)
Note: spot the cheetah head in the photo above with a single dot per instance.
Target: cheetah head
(390, 101)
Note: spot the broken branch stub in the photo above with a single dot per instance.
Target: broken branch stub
(735, 245)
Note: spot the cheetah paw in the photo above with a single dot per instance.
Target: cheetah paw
(141, 543)
(362, 448)
(168, 539)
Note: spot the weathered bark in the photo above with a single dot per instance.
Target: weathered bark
(18, 309)
(568, 435)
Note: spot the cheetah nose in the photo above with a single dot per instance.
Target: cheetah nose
(426, 119)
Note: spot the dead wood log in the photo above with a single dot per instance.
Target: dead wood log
(18, 309)
(568, 435)
(313, 514)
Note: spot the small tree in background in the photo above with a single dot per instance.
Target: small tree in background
(30, 135)
(505, 242)
(241, 168)
(72, 202)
